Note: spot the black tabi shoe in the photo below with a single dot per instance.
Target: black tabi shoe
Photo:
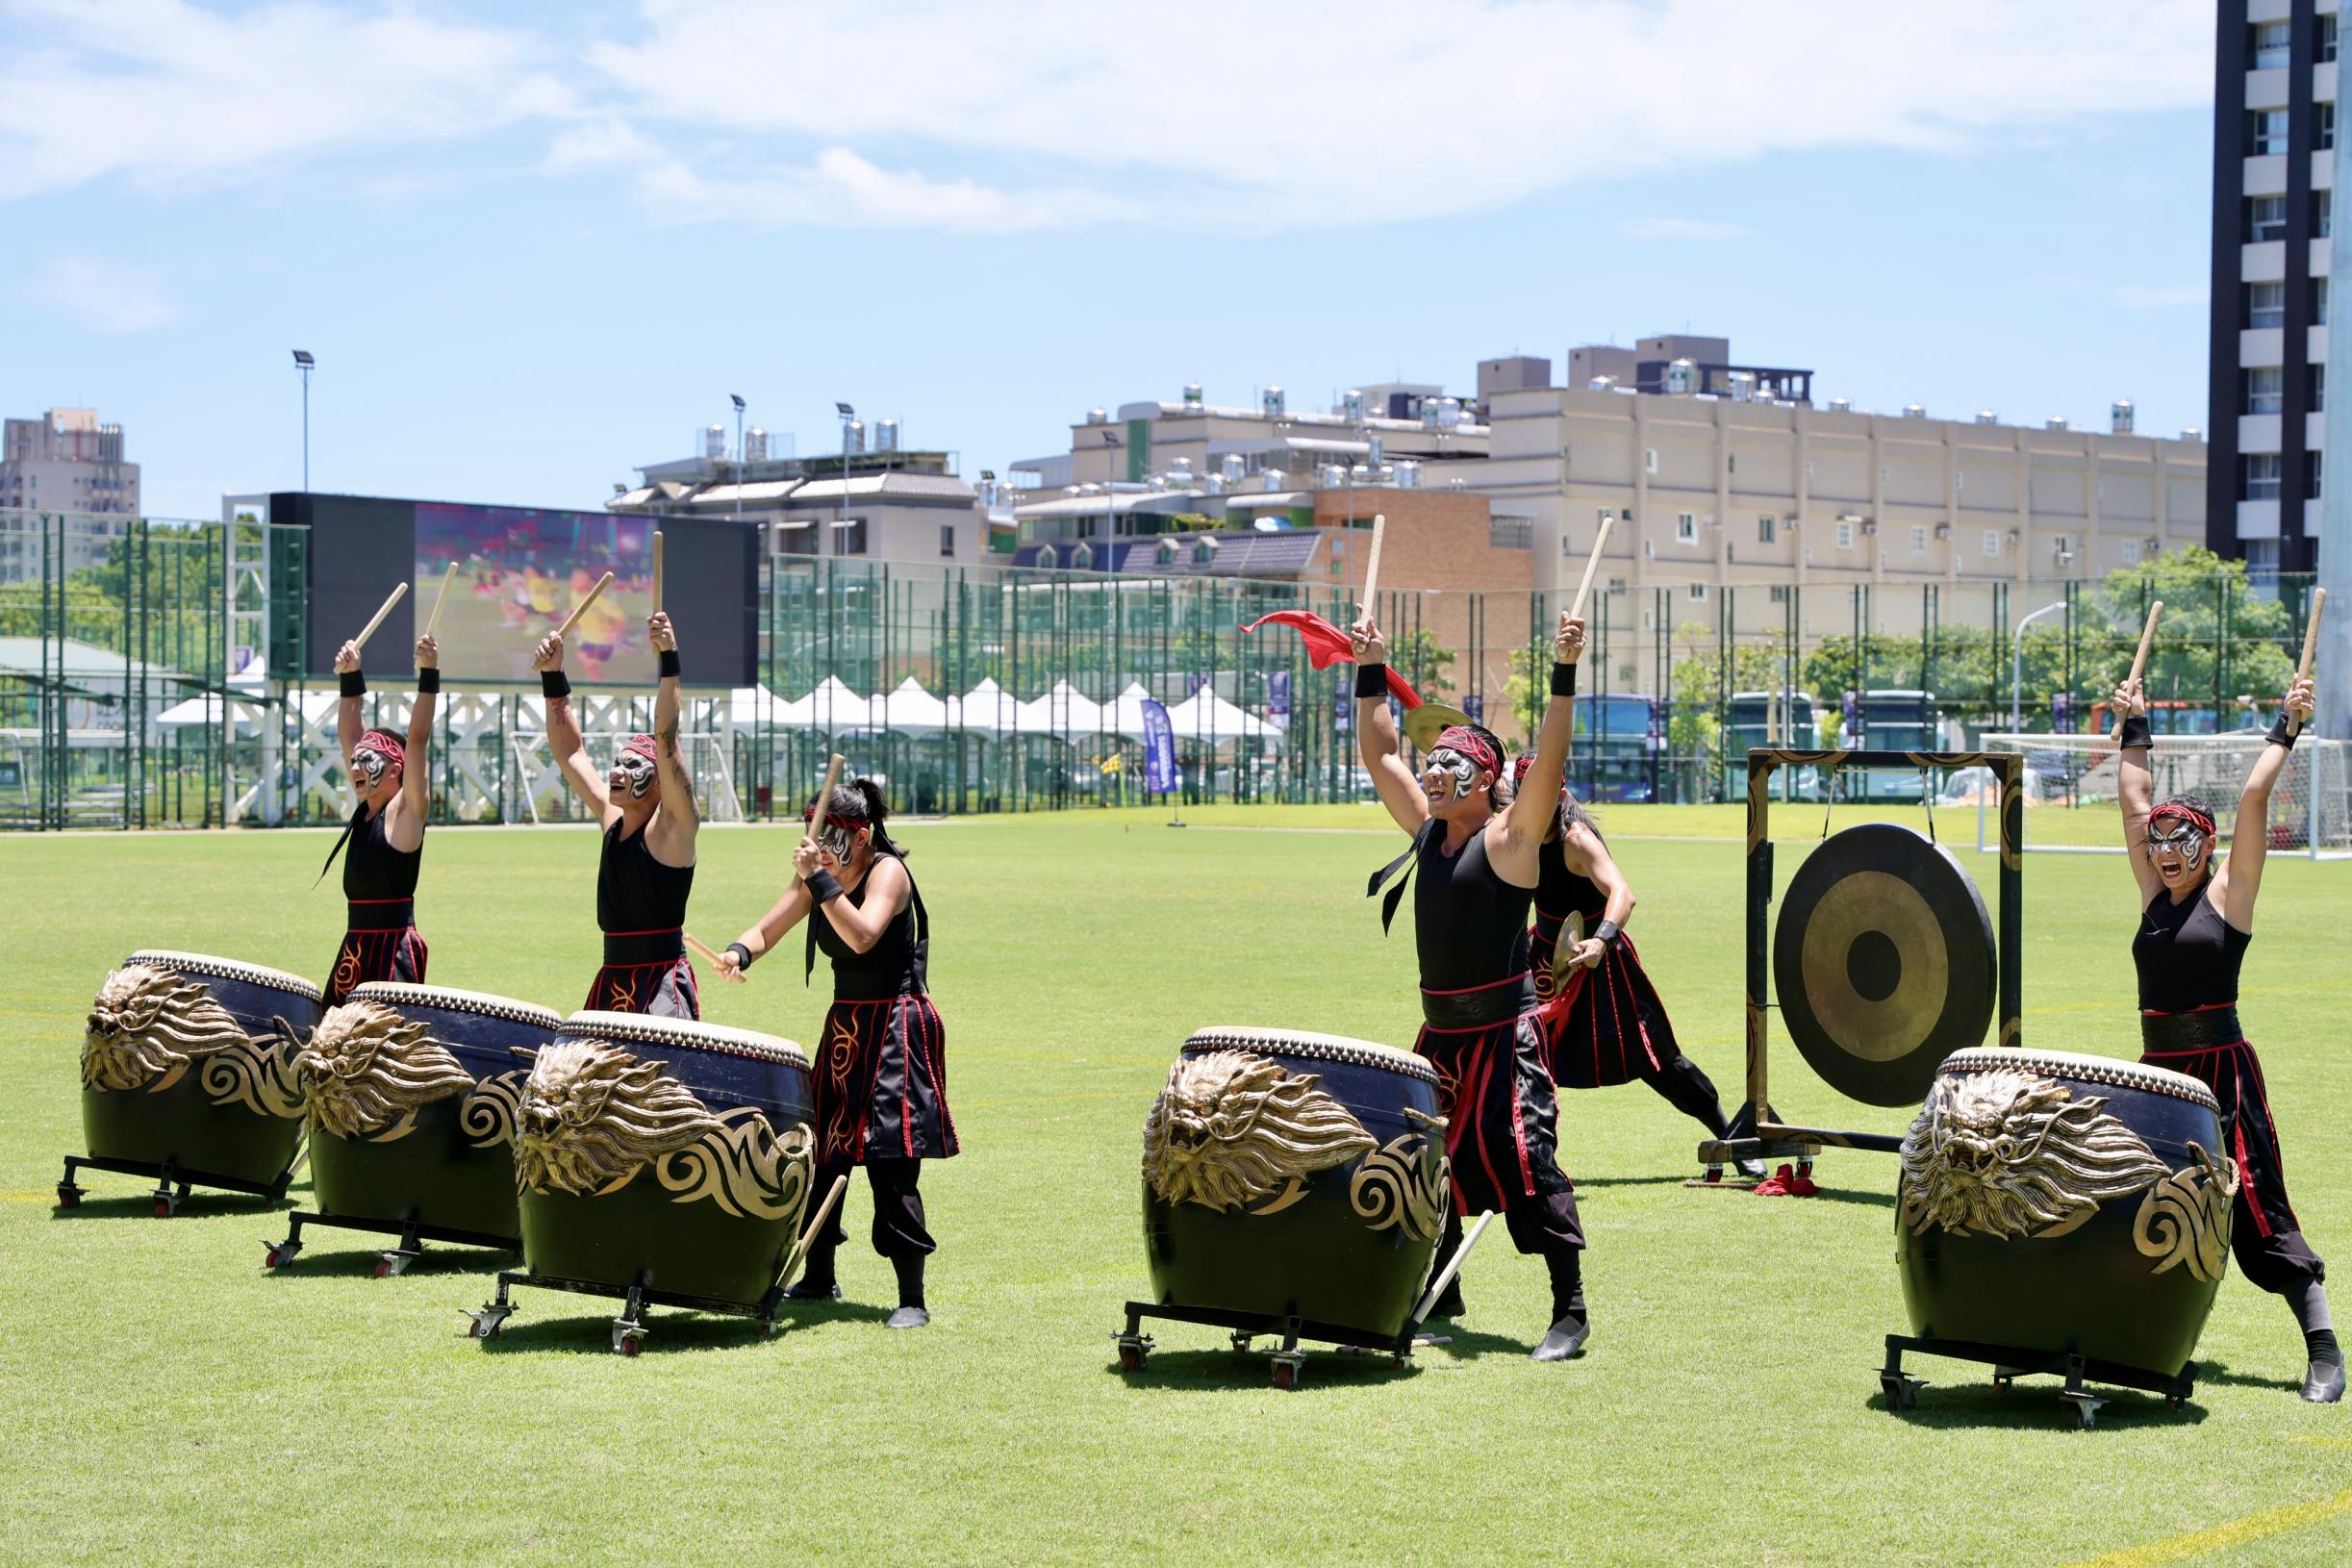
(908, 1316)
(810, 1290)
(1564, 1342)
(2323, 1383)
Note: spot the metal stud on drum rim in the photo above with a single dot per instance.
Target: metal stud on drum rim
(1883, 961)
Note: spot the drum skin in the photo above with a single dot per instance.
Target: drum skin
(211, 1123)
(1345, 1247)
(2131, 1284)
(454, 1169)
(653, 1227)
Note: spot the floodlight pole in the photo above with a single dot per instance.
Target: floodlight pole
(2016, 666)
(305, 363)
(842, 534)
(740, 456)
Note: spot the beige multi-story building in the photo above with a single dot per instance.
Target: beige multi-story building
(66, 461)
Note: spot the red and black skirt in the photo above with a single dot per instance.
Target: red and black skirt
(880, 1090)
(1490, 1050)
(1608, 1026)
(381, 944)
(646, 972)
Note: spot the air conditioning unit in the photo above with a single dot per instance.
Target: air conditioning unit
(2152, 545)
(1649, 549)
(1943, 530)
(1870, 527)
(1649, 459)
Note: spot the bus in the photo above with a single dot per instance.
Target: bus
(1619, 750)
(1765, 719)
(1890, 719)
(2177, 718)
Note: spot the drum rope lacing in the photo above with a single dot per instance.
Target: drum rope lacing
(396, 992)
(2106, 1070)
(638, 1029)
(225, 968)
(1331, 1047)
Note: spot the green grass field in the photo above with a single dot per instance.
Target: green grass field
(168, 1400)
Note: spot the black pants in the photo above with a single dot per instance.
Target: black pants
(1691, 1091)
(2265, 1233)
(898, 1214)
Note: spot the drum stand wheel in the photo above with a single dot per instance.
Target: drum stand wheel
(1289, 1364)
(1134, 1350)
(276, 1254)
(70, 1195)
(629, 1329)
(167, 1199)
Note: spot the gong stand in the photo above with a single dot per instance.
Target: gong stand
(1755, 1133)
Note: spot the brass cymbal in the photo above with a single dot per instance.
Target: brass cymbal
(1425, 724)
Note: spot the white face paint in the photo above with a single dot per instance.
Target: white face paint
(2172, 838)
(834, 839)
(369, 766)
(1448, 765)
(634, 773)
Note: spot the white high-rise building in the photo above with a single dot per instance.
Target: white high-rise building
(65, 462)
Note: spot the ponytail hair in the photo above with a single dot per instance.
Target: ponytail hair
(862, 800)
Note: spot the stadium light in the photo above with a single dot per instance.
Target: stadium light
(304, 364)
(848, 414)
(739, 454)
(2016, 666)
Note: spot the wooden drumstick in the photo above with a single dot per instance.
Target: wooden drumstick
(1453, 1266)
(824, 797)
(2139, 660)
(702, 947)
(580, 609)
(657, 572)
(2311, 639)
(808, 1237)
(433, 622)
(1592, 564)
(369, 630)
(1372, 563)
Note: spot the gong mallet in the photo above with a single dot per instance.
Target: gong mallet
(2139, 660)
(657, 572)
(2311, 640)
(580, 609)
(1445, 1275)
(1592, 564)
(1372, 563)
(432, 623)
(398, 593)
(808, 1237)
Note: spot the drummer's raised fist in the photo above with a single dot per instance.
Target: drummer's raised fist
(549, 654)
(1568, 643)
(346, 658)
(2302, 699)
(1365, 643)
(657, 627)
(2130, 697)
(728, 967)
(428, 652)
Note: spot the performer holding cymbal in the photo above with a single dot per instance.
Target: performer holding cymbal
(386, 834)
(1478, 866)
(881, 1079)
(646, 805)
(2196, 922)
(1612, 1027)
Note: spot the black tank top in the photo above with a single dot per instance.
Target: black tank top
(1470, 925)
(2186, 954)
(636, 892)
(374, 870)
(895, 965)
(1560, 892)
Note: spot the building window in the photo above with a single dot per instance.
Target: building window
(2266, 305)
(2319, 302)
(2318, 384)
(1617, 585)
(1780, 593)
(1767, 529)
(1698, 590)
(1992, 542)
(851, 537)
(2260, 476)
(2265, 389)
(1685, 528)
(2266, 218)
(2323, 214)
(2324, 49)
(2323, 123)
(2131, 552)
(2310, 474)
(2262, 560)
(1845, 535)
(946, 539)
(2265, 131)
(1919, 542)
(2271, 45)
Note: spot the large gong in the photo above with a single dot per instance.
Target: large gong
(1883, 961)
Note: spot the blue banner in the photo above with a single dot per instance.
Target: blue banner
(1159, 748)
(1474, 706)
(1277, 697)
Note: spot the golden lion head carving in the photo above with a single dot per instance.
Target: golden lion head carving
(147, 1025)
(593, 1115)
(1231, 1128)
(366, 1068)
(2013, 1155)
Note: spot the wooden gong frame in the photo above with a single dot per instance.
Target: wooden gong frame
(1753, 1134)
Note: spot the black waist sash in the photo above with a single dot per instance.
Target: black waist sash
(1480, 1005)
(644, 947)
(2177, 1034)
(380, 913)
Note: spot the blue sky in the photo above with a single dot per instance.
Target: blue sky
(535, 246)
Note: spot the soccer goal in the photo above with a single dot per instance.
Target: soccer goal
(2070, 784)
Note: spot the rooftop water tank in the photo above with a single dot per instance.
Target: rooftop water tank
(715, 440)
(1842, 405)
(886, 436)
(755, 446)
(1192, 398)
(1272, 402)
(1601, 383)
(1233, 468)
(1914, 411)
(1351, 406)
(2119, 417)
(1096, 416)
(1682, 378)
(1985, 415)
(2056, 421)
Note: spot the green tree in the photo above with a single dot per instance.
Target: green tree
(1420, 658)
(1527, 690)
(2217, 641)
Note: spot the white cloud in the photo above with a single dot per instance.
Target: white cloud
(1682, 228)
(599, 144)
(101, 295)
(839, 188)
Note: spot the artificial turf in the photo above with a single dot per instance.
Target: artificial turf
(166, 1399)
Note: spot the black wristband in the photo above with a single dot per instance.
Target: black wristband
(1605, 933)
(821, 887)
(2282, 731)
(1563, 679)
(355, 683)
(2136, 731)
(554, 683)
(668, 663)
(1372, 680)
(428, 680)
(743, 956)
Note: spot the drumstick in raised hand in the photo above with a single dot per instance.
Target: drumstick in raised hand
(1372, 563)
(657, 571)
(432, 624)
(398, 594)
(2311, 640)
(825, 795)
(580, 609)
(2139, 660)
(1592, 564)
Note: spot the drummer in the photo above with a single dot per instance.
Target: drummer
(646, 806)
(1612, 1028)
(881, 1077)
(385, 833)
(1479, 865)
(2196, 922)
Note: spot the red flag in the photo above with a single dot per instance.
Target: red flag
(1326, 645)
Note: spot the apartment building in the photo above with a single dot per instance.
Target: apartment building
(65, 462)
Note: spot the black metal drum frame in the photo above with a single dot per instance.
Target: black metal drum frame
(173, 1181)
(1901, 1390)
(392, 1260)
(1755, 1132)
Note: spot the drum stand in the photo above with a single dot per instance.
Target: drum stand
(2008, 1364)
(1755, 1132)
(172, 1183)
(413, 1236)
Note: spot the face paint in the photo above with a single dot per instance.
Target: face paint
(369, 766)
(634, 771)
(835, 839)
(1453, 765)
(2180, 838)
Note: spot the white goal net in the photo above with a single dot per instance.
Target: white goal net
(2070, 784)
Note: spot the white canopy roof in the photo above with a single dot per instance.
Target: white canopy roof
(987, 709)
(1063, 711)
(911, 710)
(1204, 715)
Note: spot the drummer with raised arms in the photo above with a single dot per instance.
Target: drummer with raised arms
(2196, 922)
(385, 837)
(881, 1076)
(1477, 865)
(645, 804)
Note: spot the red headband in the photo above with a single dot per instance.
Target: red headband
(2188, 814)
(380, 740)
(642, 746)
(1470, 744)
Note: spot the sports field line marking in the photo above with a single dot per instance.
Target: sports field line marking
(2323, 1442)
(2236, 1532)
